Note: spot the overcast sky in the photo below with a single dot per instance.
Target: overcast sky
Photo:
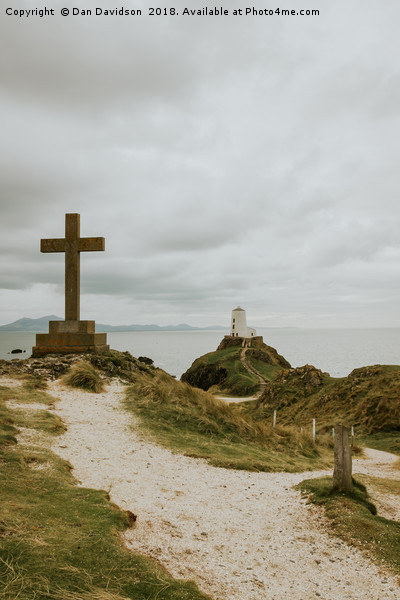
(227, 161)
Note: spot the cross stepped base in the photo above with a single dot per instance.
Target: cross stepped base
(70, 337)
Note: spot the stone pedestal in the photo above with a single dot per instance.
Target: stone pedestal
(69, 337)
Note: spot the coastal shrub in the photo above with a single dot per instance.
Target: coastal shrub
(83, 375)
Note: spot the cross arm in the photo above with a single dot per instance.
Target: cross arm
(54, 245)
(91, 244)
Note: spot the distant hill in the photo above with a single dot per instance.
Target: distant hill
(42, 325)
(36, 325)
(153, 327)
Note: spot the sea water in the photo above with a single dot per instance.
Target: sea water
(336, 351)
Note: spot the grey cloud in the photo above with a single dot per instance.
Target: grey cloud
(89, 67)
(246, 161)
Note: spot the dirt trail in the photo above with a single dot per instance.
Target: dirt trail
(239, 535)
(253, 371)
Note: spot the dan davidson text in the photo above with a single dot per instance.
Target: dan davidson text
(108, 12)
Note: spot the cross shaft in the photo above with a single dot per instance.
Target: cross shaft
(72, 245)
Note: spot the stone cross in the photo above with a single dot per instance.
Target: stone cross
(72, 245)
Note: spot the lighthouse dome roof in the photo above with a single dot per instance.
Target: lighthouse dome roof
(238, 308)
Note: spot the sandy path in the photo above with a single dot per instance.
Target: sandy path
(239, 535)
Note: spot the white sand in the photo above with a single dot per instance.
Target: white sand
(239, 535)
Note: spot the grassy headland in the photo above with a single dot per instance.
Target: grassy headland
(223, 370)
(59, 541)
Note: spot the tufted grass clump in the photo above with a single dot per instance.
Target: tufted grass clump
(193, 422)
(85, 376)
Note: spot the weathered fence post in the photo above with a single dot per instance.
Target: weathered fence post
(313, 430)
(342, 480)
(274, 425)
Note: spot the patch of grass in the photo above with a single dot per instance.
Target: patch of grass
(27, 394)
(388, 441)
(85, 376)
(353, 518)
(61, 542)
(34, 382)
(269, 372)
(32, 391)
(195, 423)
(382, 485)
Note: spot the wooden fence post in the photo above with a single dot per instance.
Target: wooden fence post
(274, 425)
(342, 471)
(313, 430)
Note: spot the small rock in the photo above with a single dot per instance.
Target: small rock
(145, 360)
(131, 518)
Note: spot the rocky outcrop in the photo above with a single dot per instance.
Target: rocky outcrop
(307, 377)
(146, 360)
(291, 385)
(205, 376)
(268, 355)
(112, 364)
(230, 342)
(48, 367)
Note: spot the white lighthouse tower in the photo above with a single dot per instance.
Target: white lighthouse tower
(239, 324)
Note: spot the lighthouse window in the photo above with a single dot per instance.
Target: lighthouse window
(233, 327)
(233, 320)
